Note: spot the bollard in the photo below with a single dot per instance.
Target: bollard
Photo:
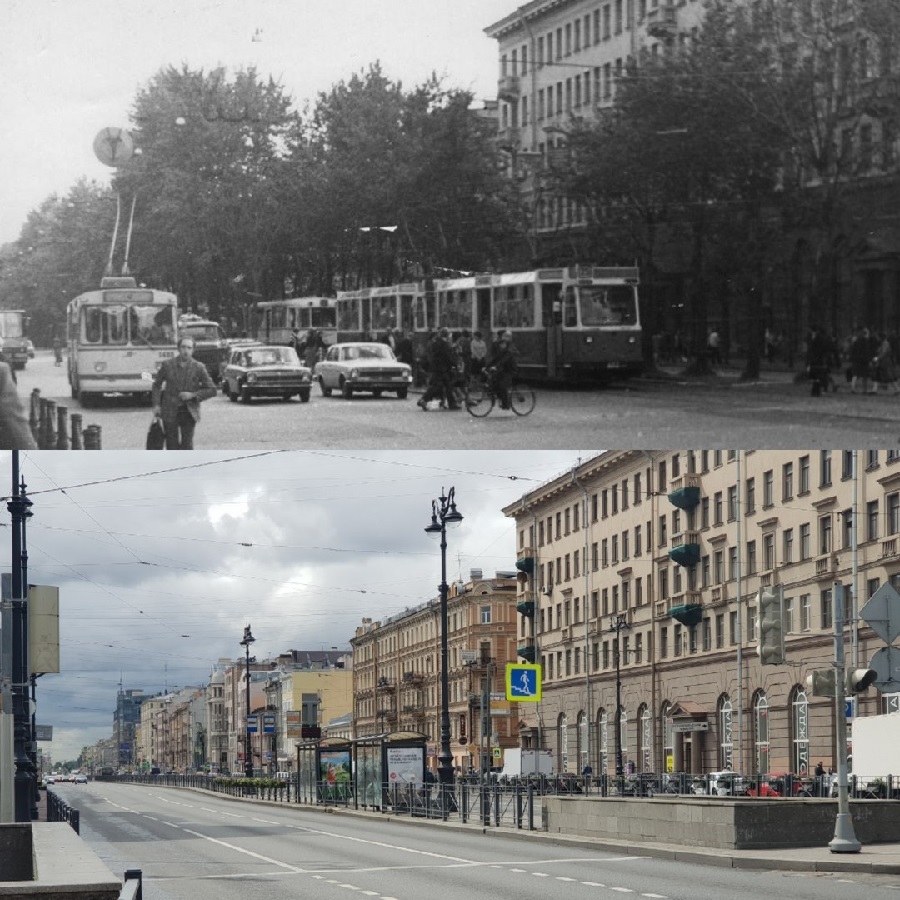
(62, 439)
(50, 426)
(92, 437)
(33, 412)
(75, 820)
(76, 432)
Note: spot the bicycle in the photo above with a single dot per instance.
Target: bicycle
(481, 395)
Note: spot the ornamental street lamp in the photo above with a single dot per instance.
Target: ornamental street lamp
(618, 624)
(246, 641)
(444, 513)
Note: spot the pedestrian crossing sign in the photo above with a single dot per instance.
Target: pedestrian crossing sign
(523, 682)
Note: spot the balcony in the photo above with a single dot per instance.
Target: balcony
(889, 548)
(685, 492)
(662, 22)
(387, 713)
(525, 608)
(527, 652)
(525, 562)
(509, 88)
(509, 138)
(685, 548)
(385, 684)
(413, 677)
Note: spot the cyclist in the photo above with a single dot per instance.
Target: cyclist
(502, 367)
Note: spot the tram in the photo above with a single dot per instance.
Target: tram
(566, 323)
(278, 319)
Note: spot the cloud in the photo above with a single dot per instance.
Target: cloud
(159, 573)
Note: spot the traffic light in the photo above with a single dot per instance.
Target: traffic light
(771, 627)
(858, 680)
(821, 683)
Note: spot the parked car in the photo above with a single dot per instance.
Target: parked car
(720, 784)
(361, 366)
(260, 370)
(210, 346)
(81, 778)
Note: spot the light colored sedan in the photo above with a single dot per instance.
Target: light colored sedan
(362, 366)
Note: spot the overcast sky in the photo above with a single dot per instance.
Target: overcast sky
(160, 568)
(71, 67)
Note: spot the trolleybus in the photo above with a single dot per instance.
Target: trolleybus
(118, 337)
(566, 323)
(278, 319)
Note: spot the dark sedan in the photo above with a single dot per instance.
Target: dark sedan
(264, 371)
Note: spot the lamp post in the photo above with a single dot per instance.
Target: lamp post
(246, 641)
(444, 513)
(618, 624)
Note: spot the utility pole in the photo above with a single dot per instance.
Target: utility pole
(24, 780)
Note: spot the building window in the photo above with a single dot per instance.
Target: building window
(485, 615)
(893, 516)
(732, 503)
(826, 619)
(636, 492)
(788, 545)
(825, 468)
(663, 643)
(717, 508)
(824, 535)
(805, 550)
(872, 520)
(720, 631)
(750, 498)
(787, 481)
(804, 475)
(805, 612)
(768, 488)
(768, 552)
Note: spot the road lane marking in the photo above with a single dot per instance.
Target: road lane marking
(564, 878)
(593, 884)
(622, 890)
(541, 874)
(250, 853)
(656, 896)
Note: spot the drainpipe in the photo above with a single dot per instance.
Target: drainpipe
(585, 527)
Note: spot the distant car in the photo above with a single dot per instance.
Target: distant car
(720, 784)
(260, 370)
(210, 346)
(49, 779)
(361, 366)
(29, 347)
(81, 778)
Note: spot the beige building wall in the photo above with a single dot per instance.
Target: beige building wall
(332, 687)
(396, 669)
(601, 537)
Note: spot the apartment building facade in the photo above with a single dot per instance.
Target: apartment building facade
(397, 668)
(614, 560)
(559, 61)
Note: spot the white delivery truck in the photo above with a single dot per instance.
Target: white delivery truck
(519, 763)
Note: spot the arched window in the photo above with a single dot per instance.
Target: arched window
(582, 741)
(623, 732)
(761, 733)
(602, 743)
(645, 741)
(800, 732)
(668, 737)
(563, 743)
(726, 734)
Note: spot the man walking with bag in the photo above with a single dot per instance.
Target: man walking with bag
(187, 384)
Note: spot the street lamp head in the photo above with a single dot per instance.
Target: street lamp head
(435, 528)
(454, 517)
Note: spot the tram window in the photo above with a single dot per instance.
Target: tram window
(348, 315)
(323, 316)
(383, 313)
(420, 314)
(512, 310)
(104, 325)
(570, 311)
(613, 305)
(406, 312)
(152, 324)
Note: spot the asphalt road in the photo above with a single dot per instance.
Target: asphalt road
(195, 845)
(773, 413)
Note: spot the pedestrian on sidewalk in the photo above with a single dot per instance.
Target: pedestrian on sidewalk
(885, 367)
(817, 361)
(861, 353)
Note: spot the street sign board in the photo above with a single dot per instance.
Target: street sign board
(690, 726)
(252, 724)
(523, 682)
(882, 613)
(269, 723)
(886, 662)
(43, 732)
